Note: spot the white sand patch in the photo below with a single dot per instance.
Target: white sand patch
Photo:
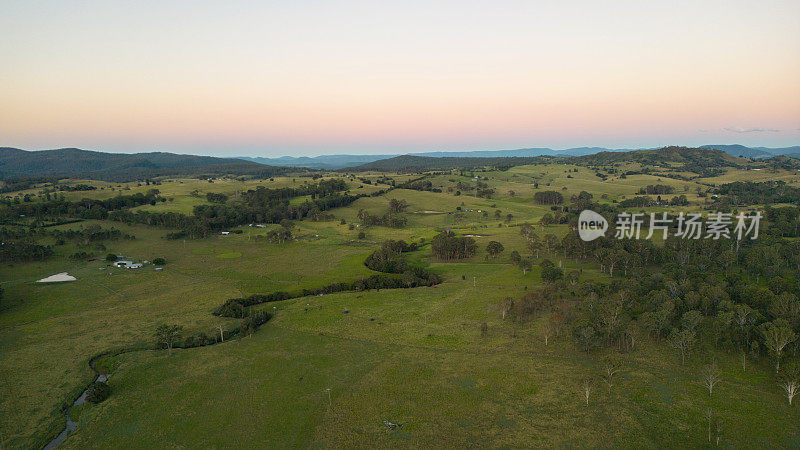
(57, 278)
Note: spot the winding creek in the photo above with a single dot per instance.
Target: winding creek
(71, 424)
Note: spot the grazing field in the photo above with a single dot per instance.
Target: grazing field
(443, 361)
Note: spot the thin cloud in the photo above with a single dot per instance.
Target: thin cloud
(751, 130)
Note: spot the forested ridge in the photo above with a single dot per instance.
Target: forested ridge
(75, 163)
(705, 162)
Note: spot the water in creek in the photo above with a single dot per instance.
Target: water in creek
(71, 424)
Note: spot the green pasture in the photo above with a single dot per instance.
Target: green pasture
(327, 370)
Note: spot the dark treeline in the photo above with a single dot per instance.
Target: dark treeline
(706, 292)
(92, 233)
(637, 202)
(262, 205)
(389, 258)
(725, 293)
(752, 193)
(18, 244)
(399, 274)
(21, 184)
(23, 249)
(548, 198)
(420, 184)
(75, 187)
(657, 189)
(84, 209)
(251, 321)
(783, 221)
(262, 197)
(447, 246)
(642, 201)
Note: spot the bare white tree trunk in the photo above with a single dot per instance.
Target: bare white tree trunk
(791, 387)
(612, 368)
(711, 377)
(587, 390)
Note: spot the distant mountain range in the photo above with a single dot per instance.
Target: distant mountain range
(343, 161)
(692, 159)
(77, 163)
(754, 152)
(74, 163)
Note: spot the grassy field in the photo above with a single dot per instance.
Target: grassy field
(317, 376)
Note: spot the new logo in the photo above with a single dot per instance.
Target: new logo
(591, 225)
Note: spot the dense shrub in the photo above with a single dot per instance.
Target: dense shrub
(636, 202)
(25, 249)
(255, 320)
(388, 259)
(657, 189)
(97, 392)
(214, 197)
(548, 198)
(447, 246)
(199, 340)
(235, 307)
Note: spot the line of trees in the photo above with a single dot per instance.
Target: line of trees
(23, 249)
(84, 209)
(657, 189)
(548, 198)
(262, 205)
(758, 193)
(447, 246)
(396, 273)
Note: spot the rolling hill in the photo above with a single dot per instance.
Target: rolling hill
(754, 152)
(741, 151)
(335, 162)
(413, 162)
(668, 157)
(73, 162)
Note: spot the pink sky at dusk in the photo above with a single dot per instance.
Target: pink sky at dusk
(290, 78)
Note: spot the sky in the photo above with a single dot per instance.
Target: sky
(305, 77)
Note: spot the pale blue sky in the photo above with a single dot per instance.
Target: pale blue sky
(275, 78)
